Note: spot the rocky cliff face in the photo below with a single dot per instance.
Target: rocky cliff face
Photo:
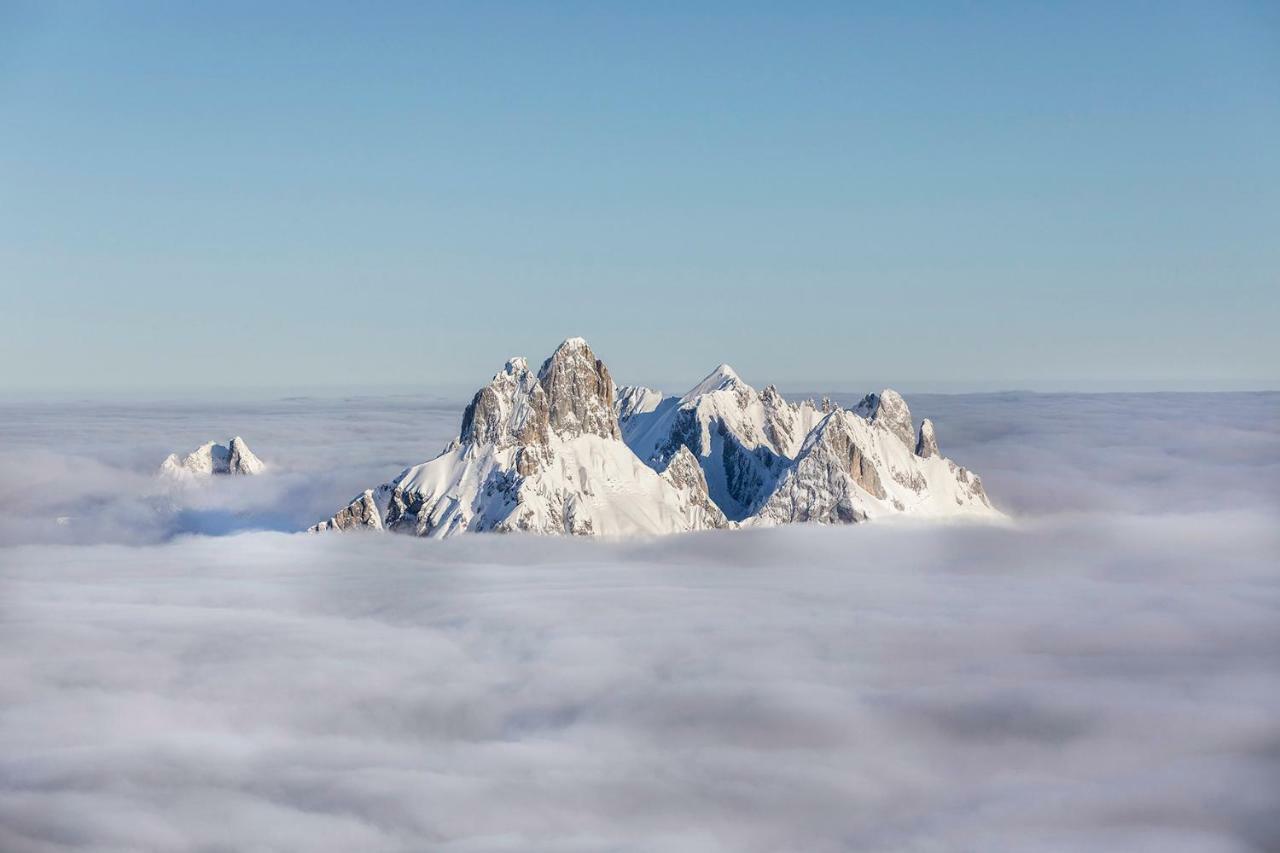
(212, 458)
(579, 391)
(566, 451)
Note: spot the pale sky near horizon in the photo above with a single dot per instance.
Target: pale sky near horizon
(952, 196)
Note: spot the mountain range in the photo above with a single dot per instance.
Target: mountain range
(564, 450)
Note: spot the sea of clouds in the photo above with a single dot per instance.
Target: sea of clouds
(181, 671)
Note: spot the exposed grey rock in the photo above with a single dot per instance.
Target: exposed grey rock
(579, 392)
(909, 479)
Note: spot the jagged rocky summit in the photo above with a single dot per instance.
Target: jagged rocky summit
(211, 458)
(565, 450)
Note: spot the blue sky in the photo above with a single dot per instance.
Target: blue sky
(951, 196)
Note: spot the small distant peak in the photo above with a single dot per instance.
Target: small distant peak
(719, 379)
(517, 364)
(234, 457)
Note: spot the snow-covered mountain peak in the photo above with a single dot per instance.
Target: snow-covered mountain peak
(539, 454)
(211, 458)
(572, 394)
(722, 378)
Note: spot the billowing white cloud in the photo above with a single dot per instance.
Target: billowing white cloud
(1100, 675)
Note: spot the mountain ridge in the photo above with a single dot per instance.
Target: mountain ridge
(567, 451)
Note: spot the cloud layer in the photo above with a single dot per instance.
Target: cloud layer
(93, 464)
(1100, 675)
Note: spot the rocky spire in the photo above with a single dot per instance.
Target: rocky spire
(579, 392)
(926, 442)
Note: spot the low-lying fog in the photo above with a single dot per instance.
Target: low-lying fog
(179, 671)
